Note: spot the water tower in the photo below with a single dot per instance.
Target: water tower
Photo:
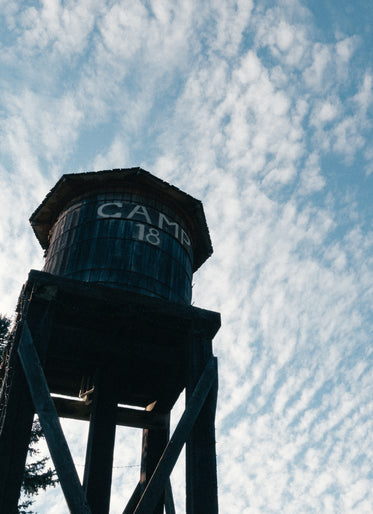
(107, 326)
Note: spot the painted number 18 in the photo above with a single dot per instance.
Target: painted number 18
(151, 235)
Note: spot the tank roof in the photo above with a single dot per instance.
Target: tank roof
(74, 185)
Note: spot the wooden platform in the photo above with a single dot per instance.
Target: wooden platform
(142, 341)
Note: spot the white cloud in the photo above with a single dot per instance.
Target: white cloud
(311, 178)
(315, 75)
(285, 36)
(47, 127)
(364, 98)
(231, 21)
(348, 138)
(60, 30)
(116, 157)
(346, 47)
(123, 29)
(325, 112)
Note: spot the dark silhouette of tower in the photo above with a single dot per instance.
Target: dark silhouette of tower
(109, 323)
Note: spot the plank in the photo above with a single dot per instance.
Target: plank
(200, 453)
(168, 460)
(16, 413)
(14, 434)
(169, 499)
(134, 499)
(77, 409)
(100, 447)
(154, 443)
(50, 424)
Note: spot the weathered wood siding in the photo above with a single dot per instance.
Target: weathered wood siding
(123, 240)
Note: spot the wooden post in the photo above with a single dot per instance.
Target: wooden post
(201, 477)
(17, 413)
(153, 444)
(15, 434)
(100, 447)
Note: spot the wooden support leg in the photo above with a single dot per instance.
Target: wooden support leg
(153, 444)
(15, 434)
(201, 477)
(100, 447)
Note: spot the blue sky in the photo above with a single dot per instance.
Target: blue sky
(263, 110)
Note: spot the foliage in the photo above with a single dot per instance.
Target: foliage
(35, 476)
(4, 332)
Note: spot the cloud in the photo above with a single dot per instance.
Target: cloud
(364, 97)
(117, 153)
(60, 30)
(311, 177)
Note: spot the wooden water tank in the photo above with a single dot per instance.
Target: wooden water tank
(124, 228)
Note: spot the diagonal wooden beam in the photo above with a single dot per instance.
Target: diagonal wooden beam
(50, 424)
(136, 495)
(134, 500)
(172, 451)
(169, 499)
